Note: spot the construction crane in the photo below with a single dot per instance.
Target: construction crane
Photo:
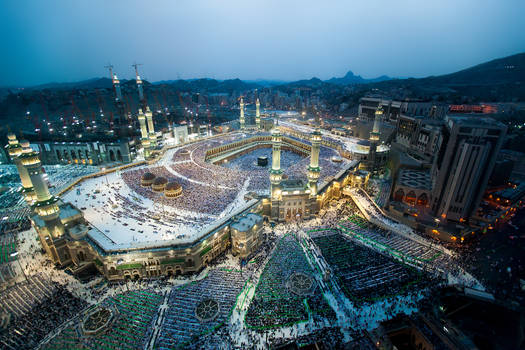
(36, 123)
(76, 109)
(44, 110)
(136, 66)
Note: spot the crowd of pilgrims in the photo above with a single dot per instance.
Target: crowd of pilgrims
(62, 175)
(209, 188)
(154, 219)
(36, 307)
(208, 199)
(15, 219)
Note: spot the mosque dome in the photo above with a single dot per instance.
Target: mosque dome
(172, 189)
(147, 179)
(159, 184)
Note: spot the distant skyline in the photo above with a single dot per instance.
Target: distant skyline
(66, 41)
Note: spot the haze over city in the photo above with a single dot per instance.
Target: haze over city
(63, 41)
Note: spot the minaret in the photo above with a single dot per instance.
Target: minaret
(257, 113)
(144, 134)
(241, 119)
(118, 95)
(46, 206)
(276, 173)
(118, 91)
(15, 150)
(374, 138)
(142, 100)
(314, 171)
(151, 129)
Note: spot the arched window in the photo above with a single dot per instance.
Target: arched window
(399, 195)
(411, 198)
(422, 199)
(112, 155)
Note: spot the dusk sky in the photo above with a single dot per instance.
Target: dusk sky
(51, 40)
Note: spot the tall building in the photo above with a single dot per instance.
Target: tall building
(418, 137)
(241, 117)
(463, 165)
(393, 109)
(151, 129)
(369, 105)
(257, 113)
(15, 150)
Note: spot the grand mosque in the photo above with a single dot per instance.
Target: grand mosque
(181, 206)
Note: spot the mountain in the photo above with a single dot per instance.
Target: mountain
(501, 79)
(505, 70)
(212, 85)
(94, 83)
(266, 82)
(351, 78)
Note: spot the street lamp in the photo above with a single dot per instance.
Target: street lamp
(105, 176)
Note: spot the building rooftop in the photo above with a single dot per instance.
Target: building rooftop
(474, 120)
(246, 222)
(292, 184)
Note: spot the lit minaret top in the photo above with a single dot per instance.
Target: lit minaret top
(241, 118)
(374, 135)
(257, 113)
(13, 146)
(15, 150)
(46, 205)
